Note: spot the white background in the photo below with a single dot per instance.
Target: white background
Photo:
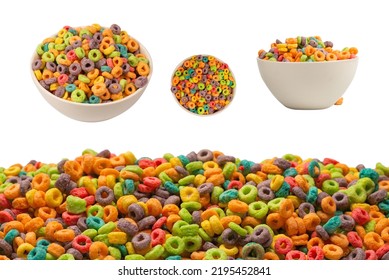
(255, 126)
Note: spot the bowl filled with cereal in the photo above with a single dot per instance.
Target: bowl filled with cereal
(203, 85)
(91, 73)
(307, 73)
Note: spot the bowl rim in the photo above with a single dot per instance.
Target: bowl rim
(355, 59)
(188, 111)
(137, 92)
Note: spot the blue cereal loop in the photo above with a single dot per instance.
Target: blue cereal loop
(370, 173)
(128, 187)
(290, 172)
(384, 206)
(284, 190)
(332, 224)
(10, 236)
(105, 68)
(70, 88)
(171, 187)
(228, 195)
(312, 194)
(38, 253)
(311, 168)
(184, 160)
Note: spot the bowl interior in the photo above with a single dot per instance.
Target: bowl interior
(93, 112)
(315, 85)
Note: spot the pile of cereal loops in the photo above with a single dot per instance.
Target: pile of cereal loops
(91, 64)
(201, 206)
(203, 85)
(305, 49)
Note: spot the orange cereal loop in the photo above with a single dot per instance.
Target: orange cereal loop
(238, 206)
(344, 55)
(117, 61)
(315, 241)
(237, 176)
(118, 161)
(35, 224)
(149, 172)
(64, 235)
(381, 224)
(12, 191)
(385, 234)
(291, 226)
(360, 230)
(286, 208)
(154, 207)
(143, 68)
(4, 258)
(324, 217)
(211, 171)
(319, 56)
(205, 200)
(271, 256)
(117, 71)
(309, 50)
(250, 221)
(13, 225)
(339, 101)
(132, 45)
(170, 209)
(98, 250)
(328, 205)
(110, 213)
(55, 250)
(17, 242)
(339, 239)
(353, 50)
(51, 228)
(46, 213)
(20, 203)
(311, 221)
(73, 168)
(275, 221)
(41, 182)
(208, 213)
(100, 164)
(332, 252)
(373, 241)
(376, 216)
(23, 218)
(93, 74)
(106, 95)
(171, 173)
(384, 185)
(270, 168)
(125, 174)
(171, 219)
(199, 255)
(110, 171)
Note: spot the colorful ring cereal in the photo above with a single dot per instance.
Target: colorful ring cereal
(202, 205)
(203, 85)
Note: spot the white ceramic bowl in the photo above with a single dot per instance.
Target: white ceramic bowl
(308, 85)
(217, 111)
(93, 112)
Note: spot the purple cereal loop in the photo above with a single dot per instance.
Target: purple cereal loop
(62, 182)
(347, 222)
(36, 64)
(140, 82)
(139, 194)
(146, 223)
(243, 240)
(44, 85)
(181, 170)
(25, 186)
(72, 78)
(162, 192)
(115, 29)
(98, 37)
(305, 208)
(266, 194)
(208, 245)
(114, 88)
(377, 197)
(359, 167)
(261, 235)
(51, 66)
(160, 199)
(60, 92)
(356, 254)
(104, 200)
(320, 197)
(297, 191)
(196, 217)
(72, 185)
(192, 156)
(352, 183)
(75, 69)
(265, 183)
(341, 201)
(127, 227)
(5, 248)
(322, 233)
(223, 159)
(50, 81)
(76, 254)
(141, 241)
(205, 188)
(81, 224)
(136, 212)
(229, 236)
(87, 65)
(93, 44)
(143, 199)
(282, 163)
(60, 165)
(126, 68)
(104, 154)
(77, 44)
(100, 63)
(68, 49)
(62, 69)
(13, 180)
(341, 181)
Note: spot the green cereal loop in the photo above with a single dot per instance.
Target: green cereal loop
(380, 167)
(289, 157)
(83, 78)
(118, 190)
(193, 166)
(66, 257)
(204, 235)
(274, 204)
(94, 55)
(3, 178)
(51, 45)
(248, 193)
(258, 209)
(330, 186)
(336, 174)
(309, 179)
(78, 95)
(216, 192)
(133, 60)
(356, 194)
(84, 32)
(144, 59)
(185, 215)
(168, 156)
(60, 47)
(367, 183)
(237, 228)
(192, 243)
(49, 257)
(40, 50)
(191, 205)
(174, 245)
(134, 257)
(103, 238)
(267, 227)
(231, 213)
(41, 232)
(155, 253)
(123, 83)
(48, 57)
(122, 248)
(117, 39)
(228, 169)
(171, 187)
(253, 251)
(107, 228)
(75, 205)
(164, 177)
(60, 57)
(80, 52)
(176, 230)
(228, 195)
(4, 186)
(215, 254)
(186, 180)
(134, 168)
(220, 212)
(189, 230)
(249, 229)
(114, 54)
(89, 152)
(95, 210)
(115, 252)
(369, 226)
(52, 171)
